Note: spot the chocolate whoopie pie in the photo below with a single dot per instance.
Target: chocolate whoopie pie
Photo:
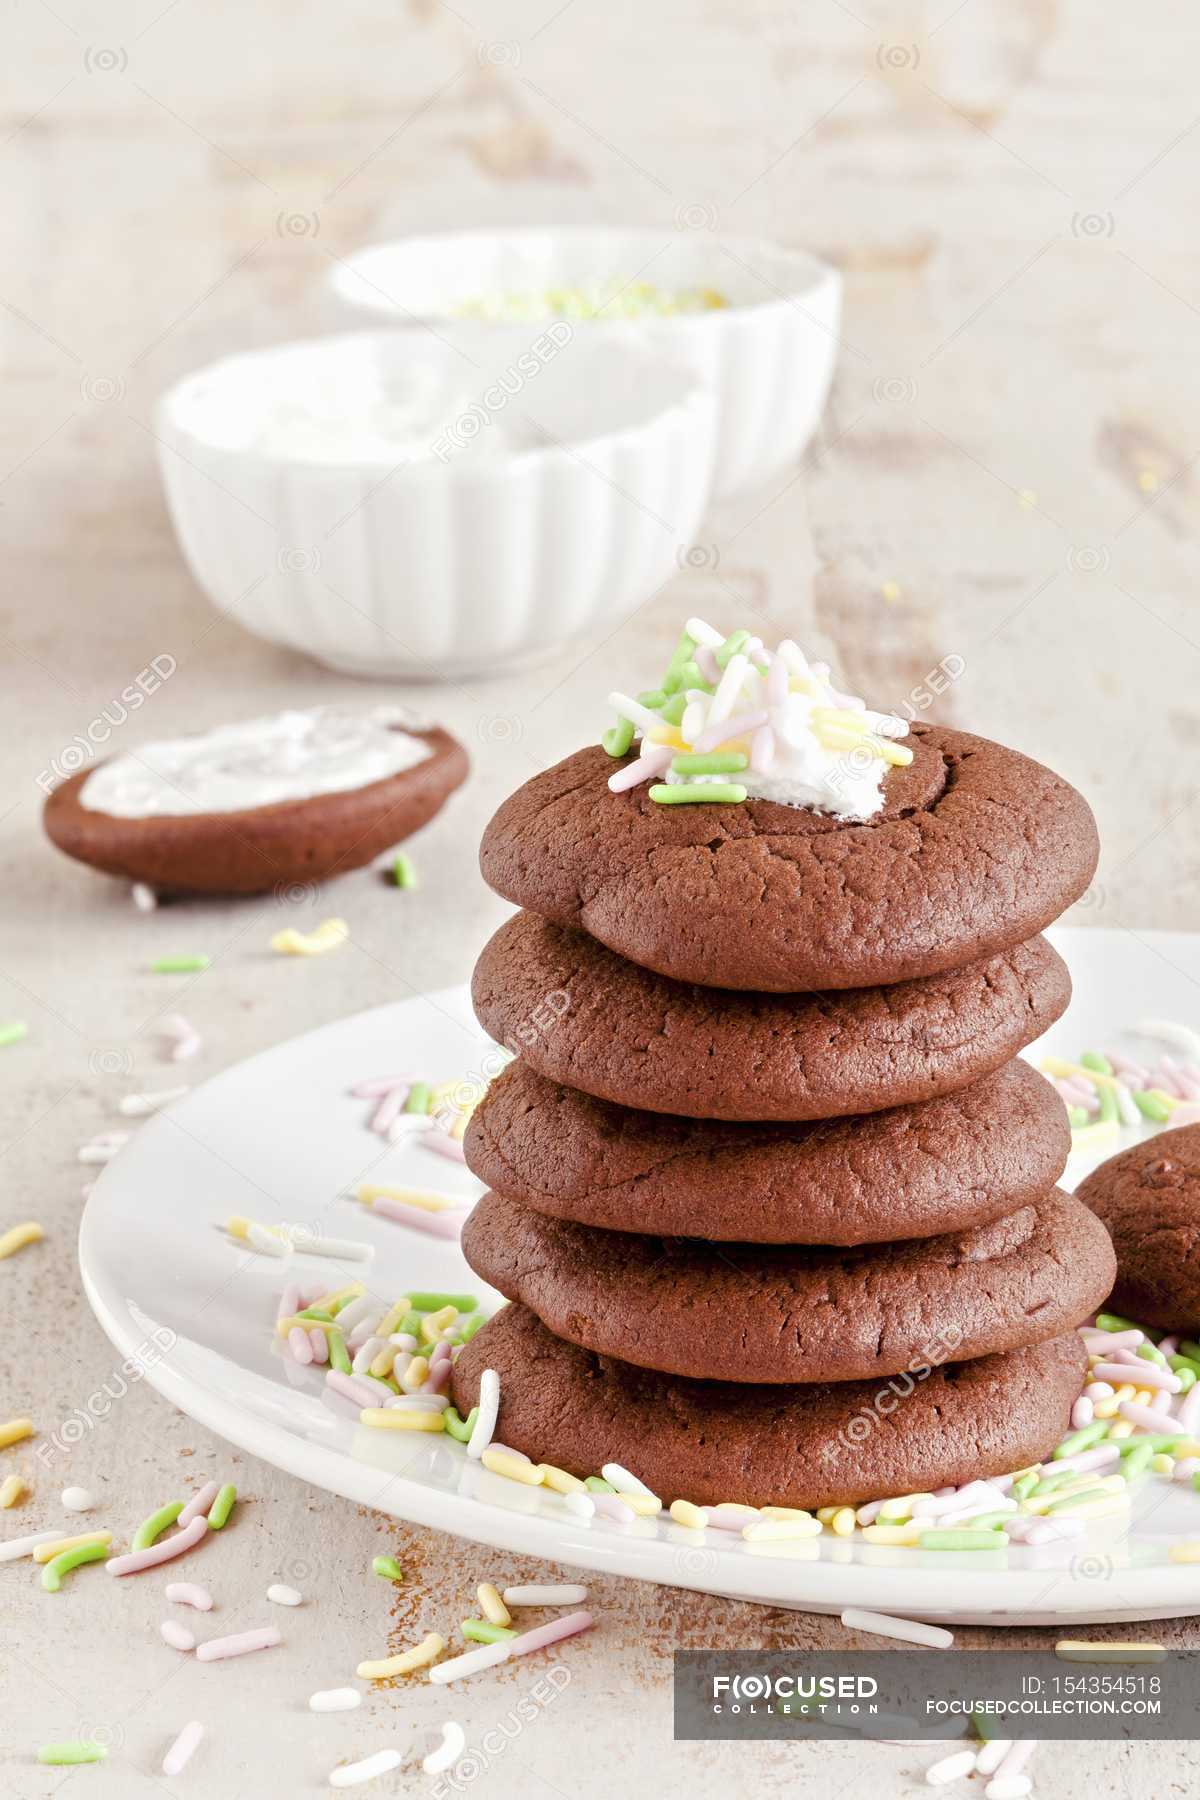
(909, 1172)
(976, 848)
(1149, 1198)
(625, 1034)
(251, 849)
(809, 1446)
(766, 1313)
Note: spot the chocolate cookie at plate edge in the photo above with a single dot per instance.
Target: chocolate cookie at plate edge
(751, 1313)
(626, 1034)
(977, 848)
(708, 1441)
(909, 1172)
(175, 845)
(1149, 1198)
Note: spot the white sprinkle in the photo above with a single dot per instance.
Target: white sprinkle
(909, 1631)
(140, 1106)
(77, 1499)
(178, 1636)
(992, 1755)
(623, 1481)
(366, 1353)
(25, 1546)
(566, 1593)
(102, 1149)
(259, 1238)
(143, 897)
(1008, 1787)
(355, 1313)
(180, 1753)
(454, 1742)
(702, 633)
(951, 1768)
(418, 1402)
(284, 1596)
(311, 1243)
(1166, 1031)
(489, 1408)
(458, 1667)
(334, 1700)
(582, 1505)
(354, 1774)
(182, 1038)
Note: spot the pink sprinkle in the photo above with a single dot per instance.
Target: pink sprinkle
(1168, 1346)
(654, 760)
(177, 1635)
(1148, 1376)
(976, 1494)
(1189, 1409)
(388, 1109)
(866, 1515)
(1188, 1113)
(1132, 1073)
(380, 1084)
(707, 664)
(544, 1635)
(182, 1038)
(1086, 1460)
(1082, 1413)
(1145, 1416)
(1130, 1358)
(299, 1345)
(443, 1224)
(762, 749)
(199, 1503)
(217, 1649)
(444, 1146)
(724, 729)
(163, 1551)
(320, 1345)
(1185, 1468)
(1114, 1340)
(1161, 1402)
(611, 1506)
(189, 1593)
(352, 1388)
(289, 1302)
(437, 1378)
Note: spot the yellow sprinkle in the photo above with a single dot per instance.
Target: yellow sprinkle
(14, 1431)
(898, 1509)
(283, 1326)
(1125, 1391)
(842, 1522)
(399, 1418)
(646, 1506)
(513, 1467)
(434, 1323)
(1105, 1409)
(328, 936)
(339, 1296)
(780, 1530)
(1162, 1464)
(1144, 1396)
(560, 1481)
(44, 1553)
(415, 1375)
(891, 591)
(427, 1651)
(667, 734)
(1122, 1429)
(1085, 1650)
(491, 1605)
(18, 1236)
(380, 1366)
(684, 1513)
(391, 1319)
(1185, 1553)
(11, 1489)
(892, 1534)
(1147, 481)
(1189, 1447)
(422, 1198)
(1100, 1508)
(785, 1512)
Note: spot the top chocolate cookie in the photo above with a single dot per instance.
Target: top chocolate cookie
(976, 848)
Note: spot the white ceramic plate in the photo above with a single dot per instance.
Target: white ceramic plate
(278, 1138)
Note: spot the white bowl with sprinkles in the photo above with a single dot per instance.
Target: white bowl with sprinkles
(757, 320)
(394, 505)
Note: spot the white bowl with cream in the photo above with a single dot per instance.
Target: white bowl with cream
(398, 507)
(768, 352)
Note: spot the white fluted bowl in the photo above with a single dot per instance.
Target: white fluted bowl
(446, 554)
(768, 354)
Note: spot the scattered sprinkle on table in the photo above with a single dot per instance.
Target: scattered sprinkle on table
(447, 1753)
(419, 1657)
(566, 1593)
(13, 1032)
(62, 1564)
(188, 1593)
(77, 1499)
(140, 1106)
(354, 1774)
(909, 1631)
(334, 1700)
(1081, 1650)
(388, 1568)
(404, 873)
(176, 1635)
(222, 1506)
(14, 1431)
(331, 934)
(180, 1753)
(152, 1528)
(263, 1637)
(282, 1595)
(18, 1236)
(15, 1548)
(199, 1503)
(80, 1750)
(163, 1551)
(180, 965)
(11, 1489)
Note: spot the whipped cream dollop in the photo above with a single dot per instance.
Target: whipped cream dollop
(260, 762)
(734, 720)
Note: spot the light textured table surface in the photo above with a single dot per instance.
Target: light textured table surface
(1005, 473)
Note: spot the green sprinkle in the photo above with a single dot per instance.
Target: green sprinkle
(1137, 1461)
(690, 793)
(482, 1631)
(475, 1323)
(458, 1427)
(1183, 1364)
(13, 1032)
(155, 1525)
(1154, 1441)
(1078, 1117)
(682, 654)
(617, 739)
(1114, 1322)
(986, 1726)
(420, 1098)
(1092, 1493)
(692, 678)
(710, 762)
(988, 1520)
(596, 1484)
(404, 872)
(734, 643)
(336, 1306)
(1025, 1485)
(1187, 1377)
(1196, 1481)
(1082, 1440)
(66, 1560)
(1050, 1482)
(410, 1323)
(388, 1567)
(317, 1314)
(1153, 1104)
(1108, 1104)
(463, 1303)
(338, 1358)
(222, 1506)
(1191, 1350)
(1151, 1353)
(179, 965)
(673, 711)
(1092, 1059)
(962, 1539)
(81, 1750)
(654, 698)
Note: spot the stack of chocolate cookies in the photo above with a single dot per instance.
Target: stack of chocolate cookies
(773, 1201)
